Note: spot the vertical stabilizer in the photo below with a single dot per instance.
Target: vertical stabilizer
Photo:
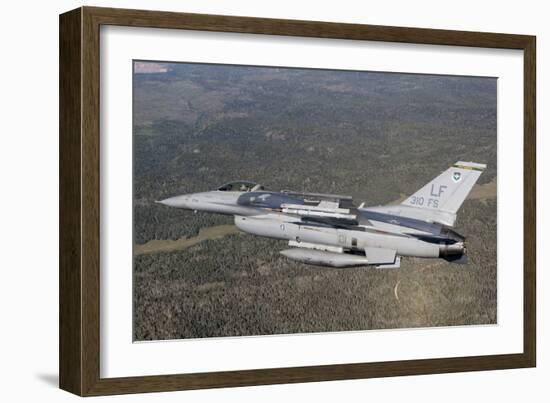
(447, 192)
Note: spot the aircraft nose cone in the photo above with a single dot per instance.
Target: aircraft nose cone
(177, 201)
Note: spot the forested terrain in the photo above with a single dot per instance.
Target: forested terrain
(375, 136)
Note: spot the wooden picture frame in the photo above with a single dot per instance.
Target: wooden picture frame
(79, 279)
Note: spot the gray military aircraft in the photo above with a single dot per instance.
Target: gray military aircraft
(329, 230)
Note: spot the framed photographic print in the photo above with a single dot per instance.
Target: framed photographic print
(249, 201)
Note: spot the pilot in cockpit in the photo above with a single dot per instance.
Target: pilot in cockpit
(241, 186)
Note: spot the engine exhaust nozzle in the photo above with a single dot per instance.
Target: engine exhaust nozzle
(454, 249)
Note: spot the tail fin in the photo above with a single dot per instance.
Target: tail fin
(445, 194)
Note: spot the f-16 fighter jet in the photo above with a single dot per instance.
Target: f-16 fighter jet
(329, 230)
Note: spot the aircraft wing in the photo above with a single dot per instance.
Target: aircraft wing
(326, 210)
(343, 201)
(329, 210)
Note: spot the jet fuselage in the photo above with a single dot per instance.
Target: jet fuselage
(329, 230)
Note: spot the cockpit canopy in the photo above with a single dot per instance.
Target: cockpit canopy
(240, 186)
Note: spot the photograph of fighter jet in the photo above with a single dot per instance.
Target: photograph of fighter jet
(353, 200)
(328, 230)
